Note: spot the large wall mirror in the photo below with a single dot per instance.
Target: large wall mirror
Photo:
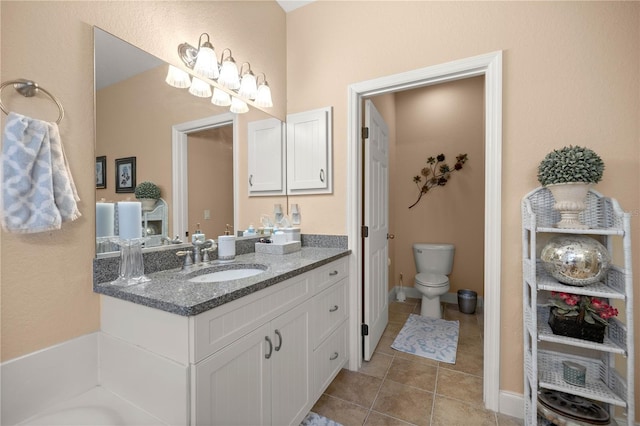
(136, 117)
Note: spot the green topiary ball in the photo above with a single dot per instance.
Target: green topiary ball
(570, 164)
(147, 190)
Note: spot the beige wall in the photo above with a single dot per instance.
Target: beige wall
(570, 77)
(54, 301)
(441, 119)
(211, 180)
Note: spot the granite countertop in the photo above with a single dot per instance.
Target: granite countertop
(171, 291)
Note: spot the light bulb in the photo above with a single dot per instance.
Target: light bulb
(200, 88)
(177, 78)
(206, 63)
(220, 97)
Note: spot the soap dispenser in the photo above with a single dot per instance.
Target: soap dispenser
(226, 246)
(198, 235)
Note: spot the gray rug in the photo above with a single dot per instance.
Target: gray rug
(429, 338)
(314, 419)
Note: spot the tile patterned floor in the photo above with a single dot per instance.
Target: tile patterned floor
(396, 388)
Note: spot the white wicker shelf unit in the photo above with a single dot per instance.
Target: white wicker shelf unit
(607, 382)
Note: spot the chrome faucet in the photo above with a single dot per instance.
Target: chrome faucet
(200, 253)
(188, 262)
(196, 251)
(208, 246)
(168, 240)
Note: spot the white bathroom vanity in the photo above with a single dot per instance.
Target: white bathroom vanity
(261, 359)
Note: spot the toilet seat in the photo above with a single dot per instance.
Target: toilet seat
(429, 279)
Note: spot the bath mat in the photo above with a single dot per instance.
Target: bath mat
(314, 419)
(429, 338)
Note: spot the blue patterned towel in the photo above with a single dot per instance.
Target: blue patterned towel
(314, 419)
(38, 192)
(429, 337)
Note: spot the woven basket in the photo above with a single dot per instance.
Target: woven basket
(572, 327)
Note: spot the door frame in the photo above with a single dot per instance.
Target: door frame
(179, 167)
(489, 65)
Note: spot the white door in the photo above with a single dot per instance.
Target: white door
(376, 219)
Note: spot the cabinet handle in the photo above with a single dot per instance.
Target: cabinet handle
(334, 356)
(331, 274)
(250, 180)
(321, 175)
(277, 348)
(335, 308)
(267, 356)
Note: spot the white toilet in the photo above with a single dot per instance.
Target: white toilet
(433, 263)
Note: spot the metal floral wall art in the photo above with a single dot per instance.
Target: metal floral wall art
(436, 173)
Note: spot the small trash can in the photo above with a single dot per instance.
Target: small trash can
(467, 300)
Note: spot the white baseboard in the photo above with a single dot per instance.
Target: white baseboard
(512, 404)
(412, 292)
(35, 381)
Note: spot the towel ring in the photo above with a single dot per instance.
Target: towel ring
(28, 88)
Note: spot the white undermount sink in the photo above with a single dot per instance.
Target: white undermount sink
(226, 275)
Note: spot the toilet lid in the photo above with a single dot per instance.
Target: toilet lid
(432, 280)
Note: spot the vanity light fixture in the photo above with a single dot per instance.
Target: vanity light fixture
(220, 97)
(248, 87)
(229, 72)
(263, 97)
(206, 64)
(238, 105)
(178, 78)
(200, 88)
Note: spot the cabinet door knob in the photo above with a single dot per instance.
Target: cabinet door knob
(334, 356)
(268, 355)
(277, 348)
(321, 175)
(250, 180)
(333, 273)
(335, 308)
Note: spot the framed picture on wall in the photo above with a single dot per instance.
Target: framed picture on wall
(126, 174)
(101, 172)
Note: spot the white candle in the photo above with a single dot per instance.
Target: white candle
(105, 219)
(130, 219)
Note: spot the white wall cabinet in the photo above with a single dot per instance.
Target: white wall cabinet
(610, 365)
(266, 158)
(263, 359)
(309, 161)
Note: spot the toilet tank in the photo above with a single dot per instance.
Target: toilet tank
(436, 258)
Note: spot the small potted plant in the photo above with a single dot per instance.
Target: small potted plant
(581, 317)
(569, 173)
(148, 193)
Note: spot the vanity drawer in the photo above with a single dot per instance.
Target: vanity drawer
(329, 358)
(331, 273)
(215, 329)
(329, 310)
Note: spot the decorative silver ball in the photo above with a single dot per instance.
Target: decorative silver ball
(575, 259)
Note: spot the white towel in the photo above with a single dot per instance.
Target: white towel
(38, 192)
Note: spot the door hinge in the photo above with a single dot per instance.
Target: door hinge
(365, 329)
(365, 231)
(365, 133)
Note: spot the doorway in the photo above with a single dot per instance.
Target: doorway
(180, 183)
(489, 65)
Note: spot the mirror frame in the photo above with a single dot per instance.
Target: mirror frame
(180, 184)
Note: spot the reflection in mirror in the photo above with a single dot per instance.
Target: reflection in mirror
(136, 112)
